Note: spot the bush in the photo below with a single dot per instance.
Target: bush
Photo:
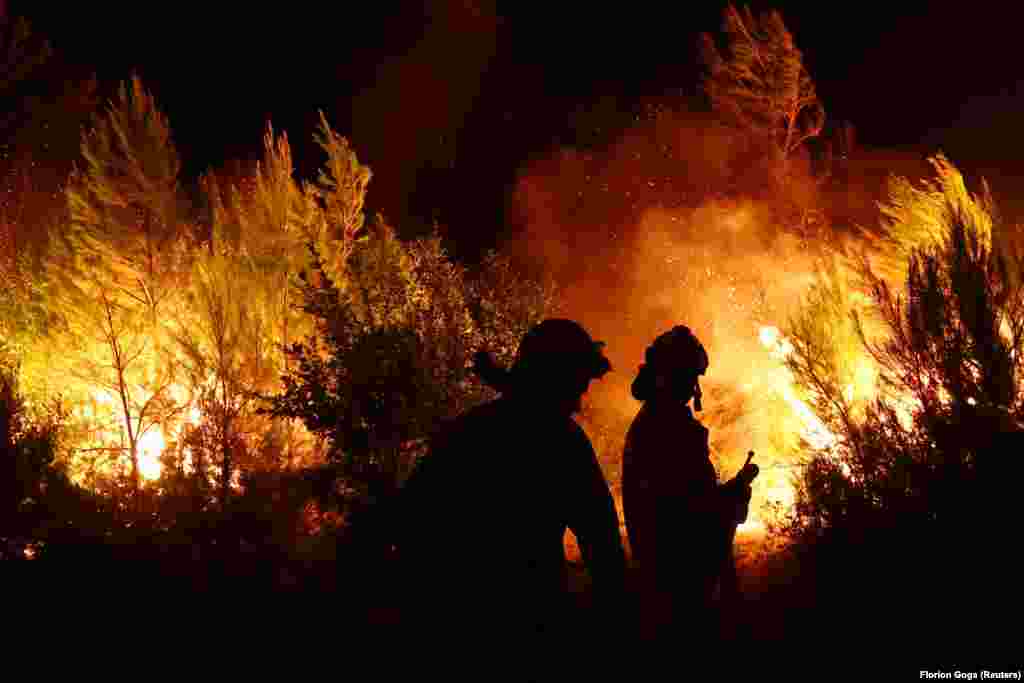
(36, 494)
(911, 506)
(392, 354)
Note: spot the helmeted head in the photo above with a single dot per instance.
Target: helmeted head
(673, 366)
(555, 364)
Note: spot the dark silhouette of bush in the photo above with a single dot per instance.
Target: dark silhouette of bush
(392, 357)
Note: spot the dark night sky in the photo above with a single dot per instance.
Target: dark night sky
(471, 93)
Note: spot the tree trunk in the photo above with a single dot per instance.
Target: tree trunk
(132, 442)
(136, 478)
(225, 447)
(284, 325)
(225, 472)
(132, 445)
(122, 390)
(198, 476)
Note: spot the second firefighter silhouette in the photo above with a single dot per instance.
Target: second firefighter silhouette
(680, 521)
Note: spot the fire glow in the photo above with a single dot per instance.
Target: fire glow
(813, 429)
(150, 446)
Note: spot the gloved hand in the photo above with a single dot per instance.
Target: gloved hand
(738, 489)
(748, 473)
(740, 493)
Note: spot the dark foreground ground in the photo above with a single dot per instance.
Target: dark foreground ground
(316, 600)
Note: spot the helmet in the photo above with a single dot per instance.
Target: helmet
(674, 353)
(677, 350)
(558, 345)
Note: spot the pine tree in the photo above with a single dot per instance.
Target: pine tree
(117, 265)
(264, 221)
(341, 189)
(126, 223)
(760, 82)
(271, 230)
(223, 340)
(273, 218)
(919, 216)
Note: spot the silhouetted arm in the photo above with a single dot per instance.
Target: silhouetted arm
(705, 497)
(594, 520)
(735, 500)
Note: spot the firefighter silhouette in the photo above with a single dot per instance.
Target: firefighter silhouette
(487, 508)
(679, 519)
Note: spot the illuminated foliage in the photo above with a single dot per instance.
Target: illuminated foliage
(271, 219)
(827, 358)
(393, 349)
(126, 226)
(265, 227)
(341, 190)
(116, 356)
(222, 335)
(918, 216)
(266, 223)
(118, 265)
(163, 334)
(760, 82)
(23, 315)
(504, 305)
(946, 352)
(957, 334)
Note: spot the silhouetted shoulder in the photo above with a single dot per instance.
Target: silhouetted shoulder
(476, 421)
(662, 427)
(577, 439)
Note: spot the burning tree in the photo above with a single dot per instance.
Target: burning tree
(222, 336)
(266, 227)
(760, 82)
(126, 219)
(261, 228)
(825, 354)
(759, 85)
(918, 216)
(340, 191)
(396, 324)
(23, 318)
(119, 264)
(272, 223)
(918, 464)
